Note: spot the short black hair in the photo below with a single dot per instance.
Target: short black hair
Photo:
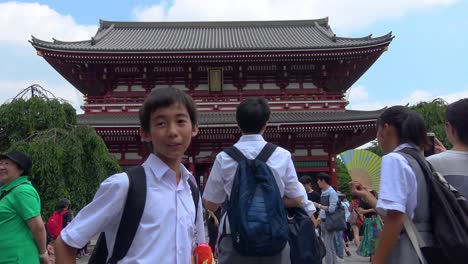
(457, 116)
(62, 204)
(324, 176)
(165, 97)
(409, 125)
(252, 115)
(306, 179)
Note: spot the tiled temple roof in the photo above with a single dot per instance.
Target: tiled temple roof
(142, 37)
(228, 118)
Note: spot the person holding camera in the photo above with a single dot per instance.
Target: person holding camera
(453, 163)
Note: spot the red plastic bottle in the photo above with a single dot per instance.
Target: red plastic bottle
(202, 254)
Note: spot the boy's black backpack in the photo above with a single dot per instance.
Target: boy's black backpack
(131, 216)
(257, 217)
(305, 246)
(448, 213)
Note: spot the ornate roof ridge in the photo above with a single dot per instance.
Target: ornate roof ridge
(368, 37)
(35, 40)
(209, 24)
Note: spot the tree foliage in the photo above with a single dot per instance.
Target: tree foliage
(69, 160)
(375, 148)
(434, 116)
(343, 178)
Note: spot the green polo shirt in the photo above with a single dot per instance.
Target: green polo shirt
(17, 244)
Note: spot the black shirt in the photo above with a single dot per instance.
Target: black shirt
(366, 206)
(314, 196)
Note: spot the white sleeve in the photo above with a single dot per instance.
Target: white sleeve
(292, 187)
(395, 184)
(104, 211)
(307, 204)
(214, 188)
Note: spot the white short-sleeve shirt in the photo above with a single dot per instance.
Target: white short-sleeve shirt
(398, 185)
(166, 232)
(221, 178)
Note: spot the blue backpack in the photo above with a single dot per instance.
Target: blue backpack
(257, 217)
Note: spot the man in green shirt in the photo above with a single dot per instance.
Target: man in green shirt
(23, 235)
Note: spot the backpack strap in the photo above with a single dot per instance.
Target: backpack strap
(132, 213)
(426, 167)
(266, 152)
(423, 170)
(264, 155)
(4, 193)
(235, 153)
(195, 197)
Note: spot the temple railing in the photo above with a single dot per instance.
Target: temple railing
(226, 101)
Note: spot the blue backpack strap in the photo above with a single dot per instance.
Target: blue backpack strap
(266, 152)
(235, 153)
(132, 213)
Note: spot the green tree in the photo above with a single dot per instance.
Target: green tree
(343, 177)
(434, 116)
(375, 148)
(69, 160)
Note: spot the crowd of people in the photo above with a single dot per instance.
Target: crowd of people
(250, 187)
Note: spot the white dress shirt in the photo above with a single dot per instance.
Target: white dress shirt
(398, 185)
(222, 174)
(166, 233)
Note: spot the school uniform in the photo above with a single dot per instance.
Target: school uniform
(166, 233)
(401, 190)
(219, 186)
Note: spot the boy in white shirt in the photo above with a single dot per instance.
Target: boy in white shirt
(167, 231)
(252, 116)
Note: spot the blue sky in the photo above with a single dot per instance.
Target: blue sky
(427, 58)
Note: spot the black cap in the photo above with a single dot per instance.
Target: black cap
(19, 158)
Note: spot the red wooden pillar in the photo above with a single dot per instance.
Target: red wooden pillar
(333, 170)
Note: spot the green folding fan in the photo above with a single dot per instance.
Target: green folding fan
(363, 166)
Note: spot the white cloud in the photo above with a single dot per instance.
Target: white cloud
(10, 88)
(18, 21)
(452, 97)
(346, 16)
(357, 93)
(413, 98)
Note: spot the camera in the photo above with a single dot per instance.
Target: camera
(430, 149)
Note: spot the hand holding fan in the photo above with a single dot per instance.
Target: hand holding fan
(363, 166)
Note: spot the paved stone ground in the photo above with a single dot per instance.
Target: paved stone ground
(353, 259)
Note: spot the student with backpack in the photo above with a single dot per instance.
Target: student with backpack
(258, 179)
(60, 218)
(170, 223)
(410, 198)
